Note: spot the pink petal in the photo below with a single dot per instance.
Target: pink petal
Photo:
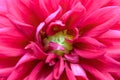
(89, 47)
(89, 41)
(88, 54)
(78, 71)
(63, 76)
(7, 34)
(73, 32)
(26, 58)
(111, 34)
(100, 21)
(91, 5)
(99, 75)
(54, 16)
(51, 59)
(58, 69)
(21, 12)
(5, 72)
(34, 6)
(3, 8)
(23, 68)
(7, 38)
(55, 27)
(114, 3)
(111, 65)
(36, 51)
(35, 72)
(10, 52)
(49, 77)
(41, 72)
(26, 29)
(38, 36)
(72, 58)
(46, 73)
(55, 46)
(71, 17)
(47, 7)
(112, 37)
(114, 52)
(8, 62)
(69, 73)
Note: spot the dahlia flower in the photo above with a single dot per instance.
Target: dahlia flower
(59, 39)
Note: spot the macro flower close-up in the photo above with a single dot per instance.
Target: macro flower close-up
(59, 39)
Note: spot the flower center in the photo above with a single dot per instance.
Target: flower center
(58, 43)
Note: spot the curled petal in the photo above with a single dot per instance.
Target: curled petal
(55, 27)
(71, 18)
(54, 16)
(36, 51)
(72, 34)
(55, 46)
(51, 59)
(38, 30)
(58, 69)
(72, 58)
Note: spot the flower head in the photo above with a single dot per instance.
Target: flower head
(59, 40)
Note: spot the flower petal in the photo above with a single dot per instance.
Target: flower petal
(7, 34)
(55, 46)
(91, 5)
(46, 73)
(54, 16)
(23, 68)
(3, 8)
(99, 75)
(58, 69)
(47, 6)
(111, 65)
(71, 17)
(69, 73)
(21, 12)
(100, 21)
(36, 50)
(89, 47)
(111, 34)
(11, 52)
(72, 58)
(78, 71)
(35, 72)
(55, 27)
(4, 73)
(26, 29)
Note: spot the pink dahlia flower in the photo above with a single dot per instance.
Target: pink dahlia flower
(59, 39)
